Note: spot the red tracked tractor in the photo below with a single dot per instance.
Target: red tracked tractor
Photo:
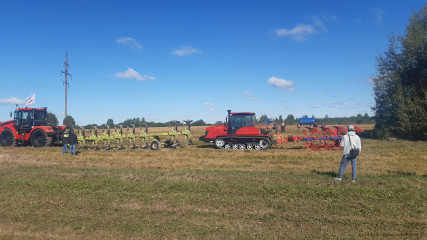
(239, 132)
(29, 126)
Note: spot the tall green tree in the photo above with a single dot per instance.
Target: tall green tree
(263, 118)
(110, 122)
(199, 123)
(290, 119)
(69, 121)
(400, 88)
(51, 119)
(280, 120)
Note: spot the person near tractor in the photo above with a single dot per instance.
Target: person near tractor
(72, 140)
(283, 127)
(349, 141)
(65, 138)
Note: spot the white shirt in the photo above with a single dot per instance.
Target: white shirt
(355, 143)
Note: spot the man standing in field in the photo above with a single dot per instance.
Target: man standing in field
(283, 127)
(65, 137)
(72, 140)
(348, 142)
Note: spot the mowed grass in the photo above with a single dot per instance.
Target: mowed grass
(286, 192)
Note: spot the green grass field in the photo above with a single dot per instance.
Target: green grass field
(287, 192)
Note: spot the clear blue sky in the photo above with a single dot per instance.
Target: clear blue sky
(166, 60)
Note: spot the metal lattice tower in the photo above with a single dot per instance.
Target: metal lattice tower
(66, 84)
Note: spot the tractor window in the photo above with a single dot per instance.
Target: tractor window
(18, 118)
(27, 118)
(40, 118)
(239, 121)
(18, 115)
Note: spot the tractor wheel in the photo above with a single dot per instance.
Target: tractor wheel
(7, 138)
(155, 145)
(219, 142)
(264, 144)
(39, 138)
(48, 142)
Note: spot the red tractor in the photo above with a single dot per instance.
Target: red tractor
(29, 126)
(239, 132)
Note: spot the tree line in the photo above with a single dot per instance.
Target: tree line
(138, 122)
(141, 122)
(291, 120)
(400, 87)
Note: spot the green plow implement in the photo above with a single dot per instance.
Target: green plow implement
(133, 139)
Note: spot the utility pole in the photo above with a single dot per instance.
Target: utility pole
(66, 84)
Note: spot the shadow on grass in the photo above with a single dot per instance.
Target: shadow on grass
(205, 146)
(402, 173)
(329, 173)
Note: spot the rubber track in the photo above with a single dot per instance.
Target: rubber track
(248, 137)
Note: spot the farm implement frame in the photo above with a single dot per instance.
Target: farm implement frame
(323, 138)
(129, 138)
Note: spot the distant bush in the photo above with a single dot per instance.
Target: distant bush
(376, 134)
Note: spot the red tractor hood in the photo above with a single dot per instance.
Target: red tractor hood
(6, 123)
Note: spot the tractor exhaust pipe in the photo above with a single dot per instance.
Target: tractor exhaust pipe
(229, 122)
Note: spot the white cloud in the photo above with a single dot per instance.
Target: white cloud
(317, 22)
(301, 31)
(313, 106)
(185, 51)
(212, 110)
(12, 101)
(281, 83)
(131, 42)
(378, 15)
(246, 93)
(298, 33)
(207, 104)
(250, 99)
(132, 74)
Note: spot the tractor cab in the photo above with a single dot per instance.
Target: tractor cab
(27, 118)
(237, 121)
